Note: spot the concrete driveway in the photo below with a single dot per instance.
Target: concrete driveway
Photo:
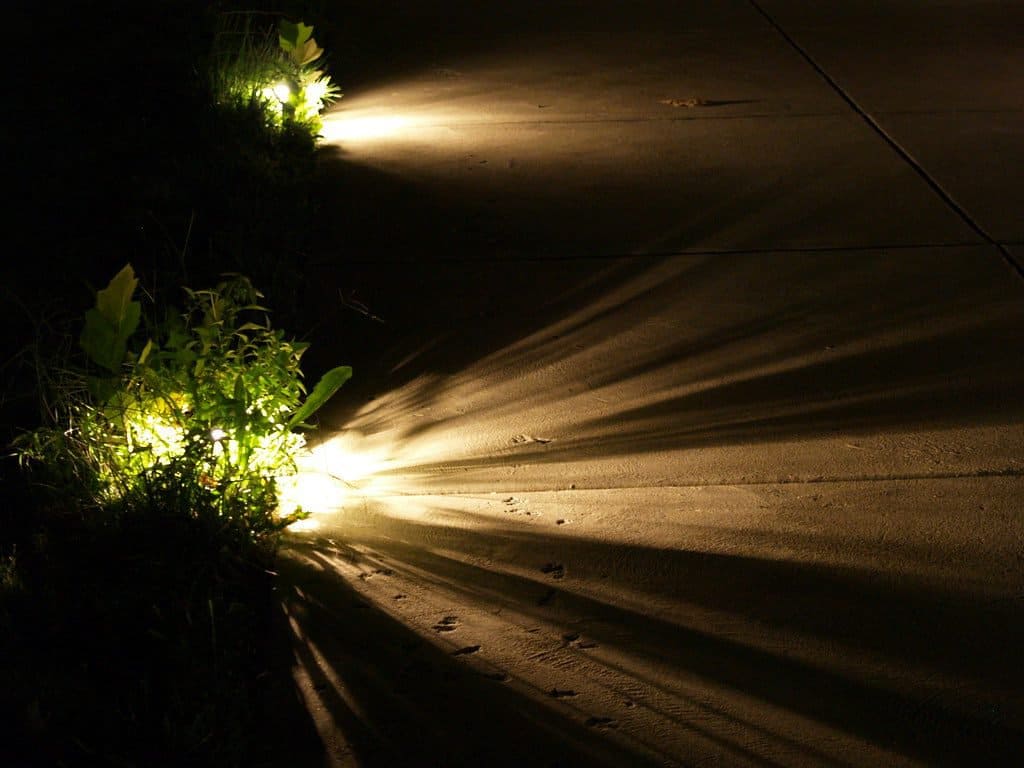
(692, 432)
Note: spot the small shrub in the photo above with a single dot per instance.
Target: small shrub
(278, 73)
(199, 416)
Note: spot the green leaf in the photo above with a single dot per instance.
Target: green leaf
(101, 343)
(292, 36)
(306, 53)
(322, 392)
(113, 320)
(114, 302)
(286, 34)
(146, 350)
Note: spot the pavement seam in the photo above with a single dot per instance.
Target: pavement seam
(720, 483)
(487, 258)
(636, 119)
(903, 153)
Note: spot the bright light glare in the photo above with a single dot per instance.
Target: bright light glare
(217, 434)
(312, 491)
(316, 91)
(345, 466)
(351, 459)
(282, 92)
(339, 127)
(307, 524)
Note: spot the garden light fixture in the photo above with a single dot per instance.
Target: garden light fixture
(282, 92)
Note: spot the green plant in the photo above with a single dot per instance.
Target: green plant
(243, 56)
(199, 415)
(310, 88)
(278, 73)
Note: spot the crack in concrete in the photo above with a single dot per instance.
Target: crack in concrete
(899, 149)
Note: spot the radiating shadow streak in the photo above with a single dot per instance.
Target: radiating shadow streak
(770, 377)
(407, 703)
(845, 609)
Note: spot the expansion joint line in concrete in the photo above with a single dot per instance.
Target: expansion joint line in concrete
(895, 477)
(945, 196)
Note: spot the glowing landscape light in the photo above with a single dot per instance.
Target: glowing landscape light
(345, 466)
(282, 92)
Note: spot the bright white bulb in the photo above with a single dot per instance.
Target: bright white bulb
(217, 434)
(282, 92)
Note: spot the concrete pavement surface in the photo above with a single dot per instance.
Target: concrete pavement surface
(689, 427)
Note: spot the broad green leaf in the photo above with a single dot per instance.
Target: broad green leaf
(286, 34)
(113, 320)
(306, 52)
(292, 36)
(130, 320)
(304, 33)
(146, 350)
(101, 342)
(322, 392)
(115, 300)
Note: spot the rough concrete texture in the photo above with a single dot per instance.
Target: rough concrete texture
(693, 433)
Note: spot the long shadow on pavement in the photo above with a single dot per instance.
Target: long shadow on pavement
(859, 343)
(847, 610)
(398, 701)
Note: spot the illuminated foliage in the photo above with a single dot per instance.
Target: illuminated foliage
(282, 75)
(202, 418)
